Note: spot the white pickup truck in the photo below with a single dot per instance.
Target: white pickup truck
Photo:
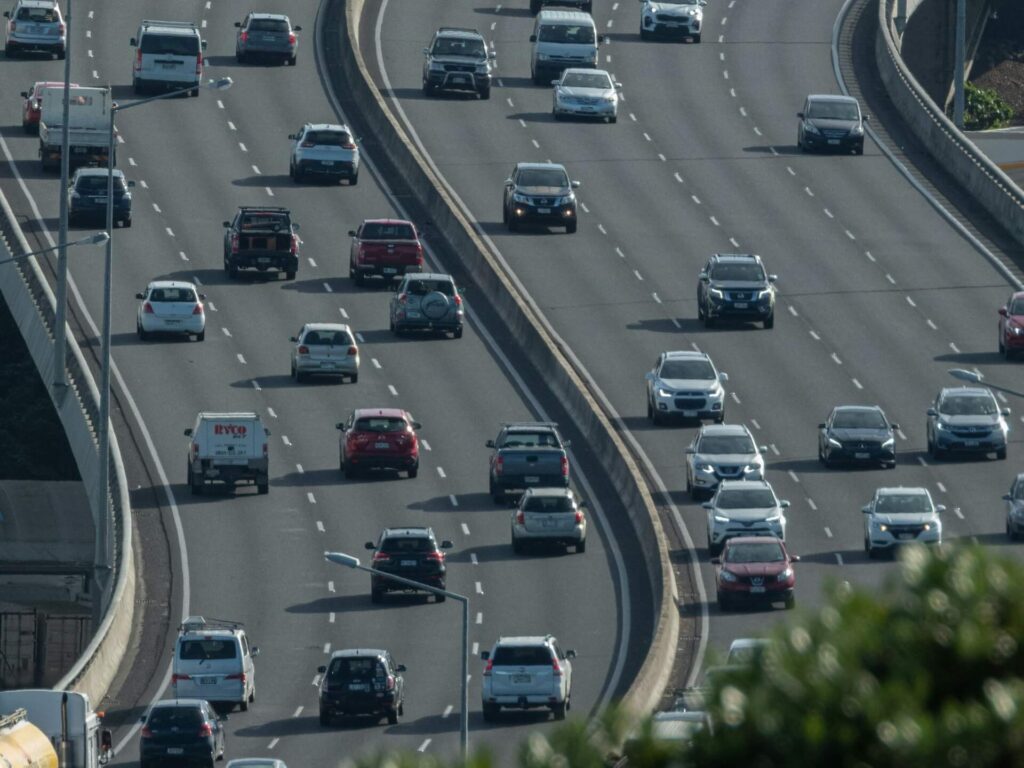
(88, 126)
(230, 448)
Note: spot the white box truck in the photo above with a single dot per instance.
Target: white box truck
(229, 448)
(67, 720)
(88, 126)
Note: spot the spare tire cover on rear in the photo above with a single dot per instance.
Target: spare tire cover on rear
(435, 305)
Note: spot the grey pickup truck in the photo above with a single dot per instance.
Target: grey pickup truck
(261, 238)
(527, 455)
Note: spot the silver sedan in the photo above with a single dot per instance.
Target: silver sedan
(586, 93)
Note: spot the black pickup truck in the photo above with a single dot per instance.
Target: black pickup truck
(261, 238)
(527, 455)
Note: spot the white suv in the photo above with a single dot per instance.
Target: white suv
(168, 55)
(744, 508)
(899, 516)
(526, 673)
(326, 151)
(682, 18)
(35, 25)
(685, 384)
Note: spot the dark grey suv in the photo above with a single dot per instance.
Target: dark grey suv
(735, 285)
(429, 302)
(362, 681)
(457, 59)
(541, 193)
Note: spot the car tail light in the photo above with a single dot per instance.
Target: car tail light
(579, 516)
(295, 245)
(195, 452)
(435, 557)
(353, 351)
(244, 37)
(147, 308)
(381, 557)
(303, 350)
(206, 730)
(138, 59)
(556, 668)
(291, 38)
(199, 64)
(499, 465)
(489, 668)
(390, 684)
(403, 298)
(419, 254)
(179, 678)
(350, 145)
(565, 466)
(12, 26)
(198, 310)
(458, 301)
(520, 517)
(307, 143)
(237, 676)
(146, 733)
(234, 243)
(264, 449)
(61, 29)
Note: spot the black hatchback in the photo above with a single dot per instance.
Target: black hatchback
(87, 197)
(857, 434)
(181, 731)
(412, 553)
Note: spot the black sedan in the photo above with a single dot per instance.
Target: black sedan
(832, 123)
(857, 434)
(180, 732)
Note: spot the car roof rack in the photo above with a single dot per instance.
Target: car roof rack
(156, 23)
(551, 424)
(458, 29)
(200, 624)
(280, 208)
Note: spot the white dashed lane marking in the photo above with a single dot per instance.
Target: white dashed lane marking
(311, 497)
(285, 440)
(330, 586)
(392, 390)
(241, 359)
(454, 501)
(479, 618)
(473, 558)
(423, 747)
(931, 325)
(812, 505)
(441, 473)
(231, 126)
(226, 332)
(273, 741)
(792, 476)
(242, 147)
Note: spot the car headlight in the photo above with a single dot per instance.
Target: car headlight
(857, 130)
(520, 198)
(927, 526)
(811, 128)
(704, 467)
(728, 575)
(774, 518)
(880, 526)
(721, 518)
(542, 57)
(436, 66)
(750, 468)
(762, 295)
(74, 195)
(716, 391)
(1017, 511)
(891, 442)
(1015, 329)
(716, 293)
(940, 426)
(662, 392)
(785, 575)
(834, 443)
(564, 200)
(482, 69)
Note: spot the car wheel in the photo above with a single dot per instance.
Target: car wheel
(350, 472)
(891, 465)
(1009, 531)
(1001, 454)
(485, 93)
(613, 119)
(357, 277)
(790, 603)
(689, 486)
(428, 89)
(769, 322)
(325, 719)
(354, 378)
(570, 228)
(937, 453)
(490, 712)
(458, 333)
(650, 410)
(392, 717)
(859, 149)
(297, 175)
(558, 710)
(657, 417)
(497, 495)
(414, 471)
(143, 336)
(353, 179)
(696, 38)
(800, 144)
(126, 223)
(517, 546)
(826, 460)
(289, 275)
(201, 336)
(263, 488)
(513, 225)
(244, 705)
(195, 484)
(504, 214)
(292, 60)
(872, 552)
(724, 603)
(720, 418)
(439, 598)
(644, 34)
(10, 51)
(581, 547)
(194, 93)
(299, 376)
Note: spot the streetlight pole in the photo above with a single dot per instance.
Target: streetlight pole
(102, 558)
(60, 376)
(960, 51)
(353, 562)
(976, 377)
(96, 238)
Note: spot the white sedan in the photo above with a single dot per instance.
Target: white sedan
(171, 306)
(586, 93)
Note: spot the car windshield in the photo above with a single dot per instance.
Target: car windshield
(359, 668)
(1017, 307)
(543, 177)
(207, 648)
(587, 80)
(451, 46)
(423, 287)
(174, 717)
(522, 656)
(1019, 493)
(408, 544)
(745, 498)
(172, 294)
(725, 444)
(327, 337)
(269, 25)
(275, 222)
(968, 405)
(170, 45)
(767, 551)
(832, 110)
(742, 273)
(98, 184)
(687, 369)
(37, 15)
(375, 230)
(903, 503)
(746, 654)
(530, 440)
(548, 504)
(859, 420)
(381, 424)
(327, 139)
(566, 33)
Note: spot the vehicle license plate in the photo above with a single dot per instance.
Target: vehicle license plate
(522, 679)
(756, 590)
(543, 210)
(408, 563)
(79, 150)
(358, 687)
(906, 536)
(971, 443)
(412, 313)
(263, 259)
(459, 79)
(327, 364)
(100, 199)
(172, 322)
(268, 38)
(861, 455)
(531, 479)
(380, 445)
(326, 162)
(690, 414)
(175, 750)
(207, 680)
(741, 305)
(390, 270)
(833, 141)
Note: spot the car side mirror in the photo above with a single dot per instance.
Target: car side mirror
(417, 425)
(24, 94)
(574, 184)
(618, 85)
(485, 655)
(822, 426)
(227, 223)
(723, 376)
(716, 561)
(131, 184)
(772, 278)
(570, 654)
(188, 432)
(932, 412)
(446, 544)
(940, 507)
(351, 233)
(133, 42)
(866, 509)
(794, 558)
(1007, 497)
(255, 651)
(707, 505)
(370, 545)
(296, 28)
(203, 46)
(492, 55)
(649, 376)
(339, 425)
(866, 118)
(690, 451)
(583, 505)
(140, 295)
(602, 39)
(566, 443)
(222, 719)
(800, 115)
(238, 24)
(554, 82)
(533, 38)
(143, 718)
(784, 503)
(293, 136)
(1005, 412)
(426, 51)
(508, 182)
(293, 338)
(703, 277)
(894, 425)
(762, 448)
(400, 668)
(489, 444)
(322, 669)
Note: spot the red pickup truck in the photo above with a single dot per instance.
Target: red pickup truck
(387, 248)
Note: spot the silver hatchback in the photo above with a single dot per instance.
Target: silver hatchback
(427, 302)
(552, 516)
(325, 349)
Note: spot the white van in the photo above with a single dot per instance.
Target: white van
(562, 39)
(213, 661)
(168, 56)
(229, 448)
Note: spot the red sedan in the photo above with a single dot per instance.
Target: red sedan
(755, 569)
(33, 104)
(1011, 325)
(379, 438)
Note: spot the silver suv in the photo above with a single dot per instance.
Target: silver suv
(549, 516)
(744, 508)
(967, 419)
(427, 302)
(899, 516)
(35, 25)
(722, 452)
(527, 673)
(457, 59)
(685, 384)
(326, 151)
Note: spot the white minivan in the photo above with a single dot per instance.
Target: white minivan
(213, 661)
(562, 39)
(168, 56)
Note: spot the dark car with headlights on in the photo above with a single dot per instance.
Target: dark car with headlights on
(87, 197)
(457, 59)
(412, 553)
(832, 123)
(539, 193)
(857, 434)
(755, 569)
(179, 732)
(362, 681)
(735, 285)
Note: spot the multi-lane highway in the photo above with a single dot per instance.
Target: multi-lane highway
(878, 295)
(258, 559)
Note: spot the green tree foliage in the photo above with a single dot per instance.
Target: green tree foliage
(984, 109)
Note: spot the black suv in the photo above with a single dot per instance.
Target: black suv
(735, 285)
(412, 553)
(539, 192)
(180, 731)
(362, 681)
(457, 60)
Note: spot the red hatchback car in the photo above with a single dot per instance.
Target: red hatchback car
(33, 104)
(755, 569)
(1011, 325)
(379, 438)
